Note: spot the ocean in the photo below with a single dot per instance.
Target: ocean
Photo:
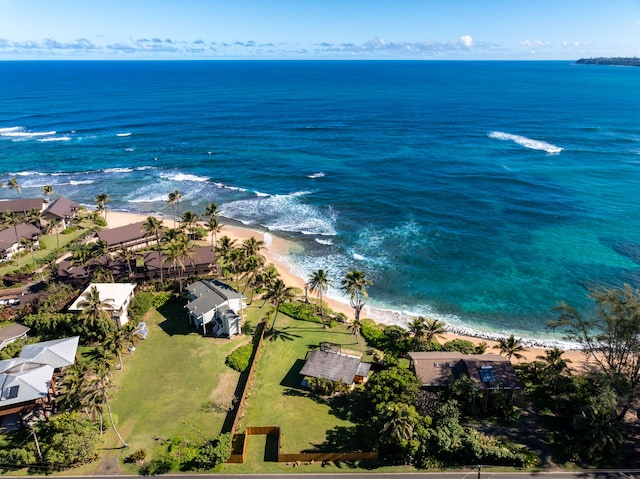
(481, 193)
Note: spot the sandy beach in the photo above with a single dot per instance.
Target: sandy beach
(277, 248)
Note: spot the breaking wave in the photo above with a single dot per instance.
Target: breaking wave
(526, 142)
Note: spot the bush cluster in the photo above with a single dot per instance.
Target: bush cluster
(239, 358)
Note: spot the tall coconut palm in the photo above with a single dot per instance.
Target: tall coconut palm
(72, 387)
(102, 200)
(47, 191)
(319, 283)
(152, 226)
(102, 383)
(417, 327)
(176, 252)
(116, 343)
(355, 285)
(511, 347)
(127, 256)
(13, 185)
(211, 210)
(11, 220)
(277, 293)
(224, 251)
(252, 246)
(252, 266)
(28, 244)
(174, 201)
(213, 225)
(263, 280)
(95, 310)
(189, 222)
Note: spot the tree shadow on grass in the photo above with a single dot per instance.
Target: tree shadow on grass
(341, 439)
(176, 321)
(282, 334)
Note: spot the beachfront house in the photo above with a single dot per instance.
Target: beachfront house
(213, 308)
(28, 382)
(489, 372)
(11, 333)
(11, 239)
(62, 210)
(120, 295)
(130, 236)
(21, 206)
(329, 363)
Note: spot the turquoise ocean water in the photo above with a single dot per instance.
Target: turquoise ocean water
(483, 192)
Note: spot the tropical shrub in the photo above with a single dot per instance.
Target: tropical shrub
(301, 311)
(239, 358)
(140, 305)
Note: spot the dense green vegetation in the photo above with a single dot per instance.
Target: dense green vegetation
(616, 61)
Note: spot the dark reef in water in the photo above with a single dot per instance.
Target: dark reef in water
(617, 61)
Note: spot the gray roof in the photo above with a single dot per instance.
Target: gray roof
(62, 208)
(209, 294)
(27, 378)
(334, 366)
(57, 353)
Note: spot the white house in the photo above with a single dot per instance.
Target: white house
(120, 295)
(213, 307)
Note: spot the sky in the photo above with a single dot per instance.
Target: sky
(318, 29)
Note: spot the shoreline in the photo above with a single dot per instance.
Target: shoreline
(276, 251)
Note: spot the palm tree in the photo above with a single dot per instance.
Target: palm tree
(277, 293)
(127, 256)
(13, 185)
(399, 423)
(116, 343)
(153, 227)
(211, 210)
(510, 347)
(319, 283)
(102, 200)
(263, 280)
(189, 222)
(10, 219)
(252, 246)
(72, 386)
(224, 251)
(176, 252)
(555, 361)
(28, 244)
(433, 329)
(47, 190)
(95, 311)
(354, 284)
(252, 266)
(417, 328)
(102, 382)
(174, 200)
(213, 225)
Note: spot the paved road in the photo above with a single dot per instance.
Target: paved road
(612, 474)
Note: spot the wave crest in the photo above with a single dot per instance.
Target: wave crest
(526, 142)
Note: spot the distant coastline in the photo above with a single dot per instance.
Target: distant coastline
(613, 61)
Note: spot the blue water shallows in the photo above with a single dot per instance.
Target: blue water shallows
(484, 192)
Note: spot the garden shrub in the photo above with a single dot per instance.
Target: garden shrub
(161, 298)
(239, 358)
(140, 305)
(301, 311)
(461, 345)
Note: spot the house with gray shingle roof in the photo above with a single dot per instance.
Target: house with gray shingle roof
(213, 308)
(335, 366)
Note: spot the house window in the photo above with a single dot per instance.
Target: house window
(487, 374)
(9, 393)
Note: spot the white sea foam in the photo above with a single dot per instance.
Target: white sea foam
(129, 149)
(526, 142)
(123, 134)
(184, 177)
(150, 198)
(232, 188)
(320, 174)
(326, 242)
(144, 168)
(258, 193)
(56, 138)
(118, 170)
(81, 182)
(358, 257)
(10, 129)
(281, 213)
(20, 134)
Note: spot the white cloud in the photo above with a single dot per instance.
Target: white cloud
(466, 40)
(535, 43)
(575, 44)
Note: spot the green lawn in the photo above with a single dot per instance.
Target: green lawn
(276, 398)
(167, 382)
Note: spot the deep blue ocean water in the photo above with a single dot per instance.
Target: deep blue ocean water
(483, 192)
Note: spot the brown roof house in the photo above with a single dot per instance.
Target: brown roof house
(11, 333)
(62, 209)
(128, 236)
(489, 372)
(20, 206)
(326, 363)
(10, 239)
